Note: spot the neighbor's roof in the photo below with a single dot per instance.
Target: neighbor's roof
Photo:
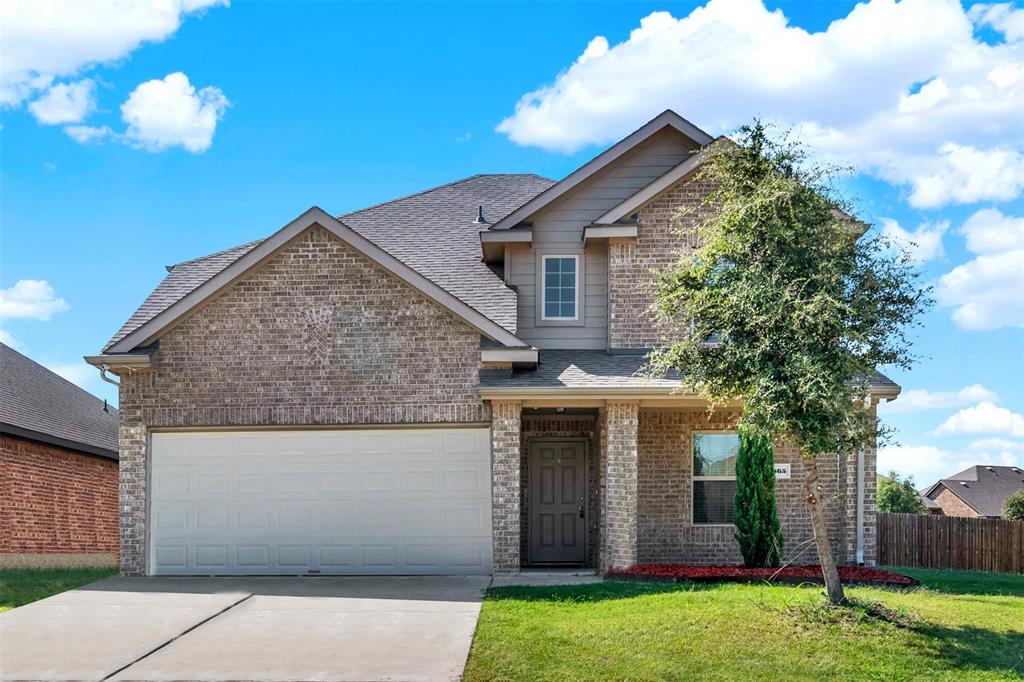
(38, 404)
(433, 232)
(984, 487)
(600, 370)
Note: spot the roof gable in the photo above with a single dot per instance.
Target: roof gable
(150, 330)
(667, 118)
(982, 487)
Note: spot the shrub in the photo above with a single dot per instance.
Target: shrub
(1013, 506)
(757, 523)
(898, 495)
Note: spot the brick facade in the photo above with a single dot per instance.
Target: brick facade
(953, 506)
(620, 494)
(661, 234)
(317, 335)
(55, 500)
(506, 479)
(666, 533)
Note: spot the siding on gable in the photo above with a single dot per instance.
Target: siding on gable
(558, 229)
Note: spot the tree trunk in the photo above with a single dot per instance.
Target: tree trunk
(833, 587)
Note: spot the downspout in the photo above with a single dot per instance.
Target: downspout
(860, 507)
(103, 375)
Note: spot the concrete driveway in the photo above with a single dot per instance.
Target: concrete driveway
(322, 628)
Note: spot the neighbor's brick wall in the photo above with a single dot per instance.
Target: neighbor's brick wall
(318, 335)
(54, 500)
(661, 237)
(664, 508)
(563, 426)
(953, 505)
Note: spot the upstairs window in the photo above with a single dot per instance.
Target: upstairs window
(561, 287)
(714, 477)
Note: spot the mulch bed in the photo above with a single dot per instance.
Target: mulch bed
(849, 575)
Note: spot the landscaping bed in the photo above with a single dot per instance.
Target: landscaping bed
(849, 575)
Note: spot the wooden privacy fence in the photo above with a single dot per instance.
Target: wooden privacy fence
(927, 541)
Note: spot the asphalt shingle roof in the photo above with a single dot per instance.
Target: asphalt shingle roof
(33, 398)
(598, 369)
(985, 487)
(432, 232)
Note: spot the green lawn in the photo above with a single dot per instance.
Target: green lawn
(19, 586)
(957, 626)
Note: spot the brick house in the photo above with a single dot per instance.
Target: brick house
(58, 469)
(443, 383)
(978, 491)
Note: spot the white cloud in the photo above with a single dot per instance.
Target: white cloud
(1002, 17)
(30, 299)
(47, 39)
(983, 418)
(82, 375)
(169, 112)
(8, 339)
(65, 103)
(927, 463)
(89, 134)
(988, 291)
(919, 400)
(923, 244)
(937, 111)
(996, 444)
(989, 231)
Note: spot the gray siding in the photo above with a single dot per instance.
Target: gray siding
(558, 229)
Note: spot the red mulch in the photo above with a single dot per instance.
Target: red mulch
(849, 575)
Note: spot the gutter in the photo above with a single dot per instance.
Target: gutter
(115, 362)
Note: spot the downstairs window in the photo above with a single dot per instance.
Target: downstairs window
(714, 477)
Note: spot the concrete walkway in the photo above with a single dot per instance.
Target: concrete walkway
(323, 628)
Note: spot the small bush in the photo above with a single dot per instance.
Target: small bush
(1013, 506)
(898, 495)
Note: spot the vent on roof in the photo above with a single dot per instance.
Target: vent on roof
(480, 220)
(991, 469)
(963, 483)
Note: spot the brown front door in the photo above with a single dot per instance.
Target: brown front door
(558, 501)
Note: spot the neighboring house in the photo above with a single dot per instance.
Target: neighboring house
(443, 383)
(58, 469)
(978, 491)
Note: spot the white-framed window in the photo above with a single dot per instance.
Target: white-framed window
(714, 476)
(560, 291)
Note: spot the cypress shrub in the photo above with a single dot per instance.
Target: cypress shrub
(757, 523)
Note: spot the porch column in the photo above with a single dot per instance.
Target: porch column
(620, 520)
(506, 418)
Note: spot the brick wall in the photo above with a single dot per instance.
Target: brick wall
(506, 482)
(54, 500)
(620, 494)
(664, 491)
(316, 335)
(953, 505)
(660, 238)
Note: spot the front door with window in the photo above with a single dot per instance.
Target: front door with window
(557, 500)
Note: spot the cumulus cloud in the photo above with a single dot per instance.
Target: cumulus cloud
(47, 39)
(87, 134)
(170, 112)
(8, 339)
(936, 111)
(920, 400)
(30, 299)
(988, 291)
(1002, 17)
(65, 103)
(923, 244)
(927, 463)
(983, 418)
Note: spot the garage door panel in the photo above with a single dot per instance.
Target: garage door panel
(341, 502)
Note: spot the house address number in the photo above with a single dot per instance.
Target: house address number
(781, 471)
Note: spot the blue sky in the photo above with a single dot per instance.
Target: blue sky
(163, 133)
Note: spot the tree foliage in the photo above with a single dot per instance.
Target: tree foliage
(757, 523)
(898, 495)
(1013, 506)
(801, 301)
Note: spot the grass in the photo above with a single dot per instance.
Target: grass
(956, 626)
(20, 586)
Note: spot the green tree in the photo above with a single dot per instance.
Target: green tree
(757, 523)
(787, 304)
(899, 495)
(1013, 506)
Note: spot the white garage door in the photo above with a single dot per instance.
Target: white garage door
(401, 501)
